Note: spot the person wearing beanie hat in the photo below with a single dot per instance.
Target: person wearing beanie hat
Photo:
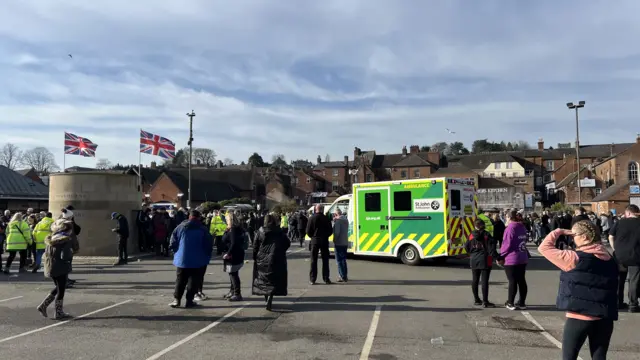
(122, 230)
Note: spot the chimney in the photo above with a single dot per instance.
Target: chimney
(346, 160)
(540, 144)
(404, 150)
(434, 156)
(356, 152)
(414, 149)
(153, 165)
(319, 160)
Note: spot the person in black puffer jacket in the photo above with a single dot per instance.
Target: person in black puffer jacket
(234, 240)
(482, 251)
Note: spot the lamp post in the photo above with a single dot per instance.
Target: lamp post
(191, 116)
(577, 106)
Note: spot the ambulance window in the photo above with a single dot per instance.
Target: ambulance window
(402, 201)
(372, 202)
(455, 200)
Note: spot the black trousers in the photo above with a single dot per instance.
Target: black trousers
(201, 283)
(190, 279)
(323, 249)
(142, 233)
(234, 278)
(622, 278)
(517, 282)
(477, 274)
(61, 286)
(123, 255)
(634, 285)
(12, 256)
(576, 333)
(219, 245)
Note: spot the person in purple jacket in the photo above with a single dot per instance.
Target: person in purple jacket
(515, 257)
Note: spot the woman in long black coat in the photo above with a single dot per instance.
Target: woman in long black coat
(270, 261)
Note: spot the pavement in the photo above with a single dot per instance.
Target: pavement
(387, 311)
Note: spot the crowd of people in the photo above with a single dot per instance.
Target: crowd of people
(592, 278)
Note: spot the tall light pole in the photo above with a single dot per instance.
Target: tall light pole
(576, 107)
(191, 116)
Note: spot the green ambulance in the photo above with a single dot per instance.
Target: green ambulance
(410, 219)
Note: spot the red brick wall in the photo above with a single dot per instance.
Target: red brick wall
(619, 166)
(164, 190)
(424, 172)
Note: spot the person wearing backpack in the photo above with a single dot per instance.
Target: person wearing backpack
(482, 250)
(625, 236)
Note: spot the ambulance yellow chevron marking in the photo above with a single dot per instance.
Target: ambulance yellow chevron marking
(383, 242)
(365, 246)
(412, 236)
(422, 239)
(393, 244)
(433, 243)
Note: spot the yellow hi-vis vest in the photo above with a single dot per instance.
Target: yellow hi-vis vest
(218, 226)
(18, 236)
(488, 225)
(284, 221)
(41, 231)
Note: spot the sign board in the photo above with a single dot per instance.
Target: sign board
(428, 205)
(551, 185)
(586, 182)
(634, 189)
(634, 200)
(494, 190)
(528, 200)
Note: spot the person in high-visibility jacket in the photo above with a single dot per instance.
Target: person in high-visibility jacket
(488, 224)
(284, 221)
(216, 229)
(40, 232)
(18, 240)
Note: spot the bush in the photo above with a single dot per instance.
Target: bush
(560, 207)
(235, 201)
(285, 207)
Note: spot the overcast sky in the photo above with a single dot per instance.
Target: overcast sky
(304, 78)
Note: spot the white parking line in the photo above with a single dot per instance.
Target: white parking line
(63, 322)
(535, 252)
(9, 299)
(368, 343)
(295, 252)
(544, 332)
(195, 334)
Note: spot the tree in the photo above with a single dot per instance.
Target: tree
(227, 162)
(10, 156)
(440, 147)
(256, 160)
(302, 164)
(278, 160)
(104, 164)
(41, 159)
(522, 145)
(243, 163)
(181, 158)
(204, 156)
(456, 148)
(425, 148)
(327, 158)
(509, 146)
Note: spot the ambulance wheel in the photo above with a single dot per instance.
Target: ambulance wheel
(409, 255)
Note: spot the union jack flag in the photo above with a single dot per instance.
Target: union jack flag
(76, 145)
(157, 145)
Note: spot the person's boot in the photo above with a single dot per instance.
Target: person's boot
(60, 314)
(35, 269)
(269, 302)
(42, 308)
(22, 270)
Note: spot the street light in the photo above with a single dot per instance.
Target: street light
(576, 107)
(191, 116)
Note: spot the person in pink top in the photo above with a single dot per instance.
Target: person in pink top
(588, 289)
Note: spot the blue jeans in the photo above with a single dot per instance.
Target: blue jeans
(39, 254)
(341, 260)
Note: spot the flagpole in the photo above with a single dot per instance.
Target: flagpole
(140, 169)
(64, 154)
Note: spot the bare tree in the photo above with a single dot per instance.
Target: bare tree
(204, 156)
(41, 159)
(10, 156)
(278, 159)
(103, 164)
(227, 161)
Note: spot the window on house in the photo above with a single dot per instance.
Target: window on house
(324, 173)
(336, 172)
(335, 184)
(547, 178)
(492, 175)
(308, 179)
(503, 174)
(372, 202)
(498, 165)
(403, 174)
(369, 177)
(402, 201)
(550, 165)
(598, 191)
(633, 171)
(509, 165)
(416, 173)
(514, 174)
(389, 171)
